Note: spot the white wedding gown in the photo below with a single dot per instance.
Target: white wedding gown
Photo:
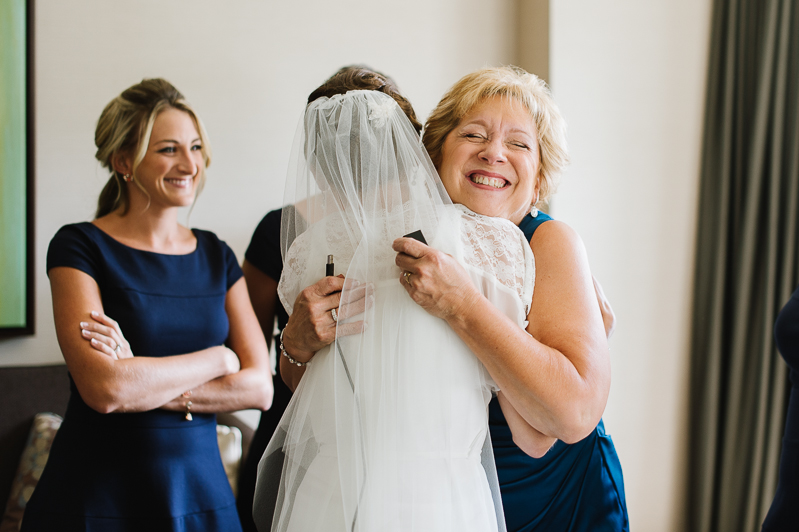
(388, 429)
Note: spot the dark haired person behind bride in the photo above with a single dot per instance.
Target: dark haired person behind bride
(388, 429)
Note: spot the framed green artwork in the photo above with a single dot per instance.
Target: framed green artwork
(16, 168)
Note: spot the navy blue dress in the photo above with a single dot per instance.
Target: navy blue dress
(783, 514)
(573, 488)
(152, 470)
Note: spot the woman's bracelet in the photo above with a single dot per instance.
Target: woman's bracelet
(187, 404)
(283, 352)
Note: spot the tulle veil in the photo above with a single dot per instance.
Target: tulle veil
(387, 430)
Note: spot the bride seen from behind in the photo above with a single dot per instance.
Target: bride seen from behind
(387, 429)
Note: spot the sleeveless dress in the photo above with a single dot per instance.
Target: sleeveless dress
(403, 446)
(783, 514)
(154, 470)
(573, 488)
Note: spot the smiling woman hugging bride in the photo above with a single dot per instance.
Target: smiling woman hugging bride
(498, 142)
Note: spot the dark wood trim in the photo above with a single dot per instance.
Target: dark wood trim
(30, 187)
(31, 155)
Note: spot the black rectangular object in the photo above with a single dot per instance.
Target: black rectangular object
(417, 235)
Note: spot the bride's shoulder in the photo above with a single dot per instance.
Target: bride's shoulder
(330, 224)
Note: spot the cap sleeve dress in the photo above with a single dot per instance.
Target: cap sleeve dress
(152, 470)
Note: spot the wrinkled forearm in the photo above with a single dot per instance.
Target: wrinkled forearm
(550, 392)
(530, 440)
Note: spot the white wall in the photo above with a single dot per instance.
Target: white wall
(247, 67)
(629, 77)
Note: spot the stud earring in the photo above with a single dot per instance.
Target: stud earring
(126, 178)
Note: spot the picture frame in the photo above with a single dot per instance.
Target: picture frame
(17, 258)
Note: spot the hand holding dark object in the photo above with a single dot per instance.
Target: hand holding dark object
(433, 279)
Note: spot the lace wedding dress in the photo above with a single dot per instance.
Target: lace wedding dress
(388, 429)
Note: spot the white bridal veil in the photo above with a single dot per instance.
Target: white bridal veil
(387, 430)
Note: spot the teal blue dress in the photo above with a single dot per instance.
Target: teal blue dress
(573, 488)
(149, 471)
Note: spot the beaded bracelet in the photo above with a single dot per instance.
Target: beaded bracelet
(283, 352)
(186, 395)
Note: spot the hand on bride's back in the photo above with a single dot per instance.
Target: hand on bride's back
(437, 282)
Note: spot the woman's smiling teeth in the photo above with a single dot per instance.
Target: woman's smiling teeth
(178, 181)
(490, 181)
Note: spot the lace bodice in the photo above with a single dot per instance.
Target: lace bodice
(498, 247)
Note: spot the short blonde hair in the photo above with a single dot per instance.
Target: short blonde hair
(510, 82)
(125, 126)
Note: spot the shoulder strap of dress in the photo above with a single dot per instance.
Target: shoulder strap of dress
(530, 224)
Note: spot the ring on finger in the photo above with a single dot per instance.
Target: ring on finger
(407, 277)
(334, 314)
(117, 348)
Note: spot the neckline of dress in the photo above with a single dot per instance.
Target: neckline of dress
(117, 242)
(467, 210)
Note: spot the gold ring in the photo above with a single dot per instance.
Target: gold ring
(407, 277)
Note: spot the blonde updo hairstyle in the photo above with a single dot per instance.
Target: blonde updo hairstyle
(125, 126)
(509, 82)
